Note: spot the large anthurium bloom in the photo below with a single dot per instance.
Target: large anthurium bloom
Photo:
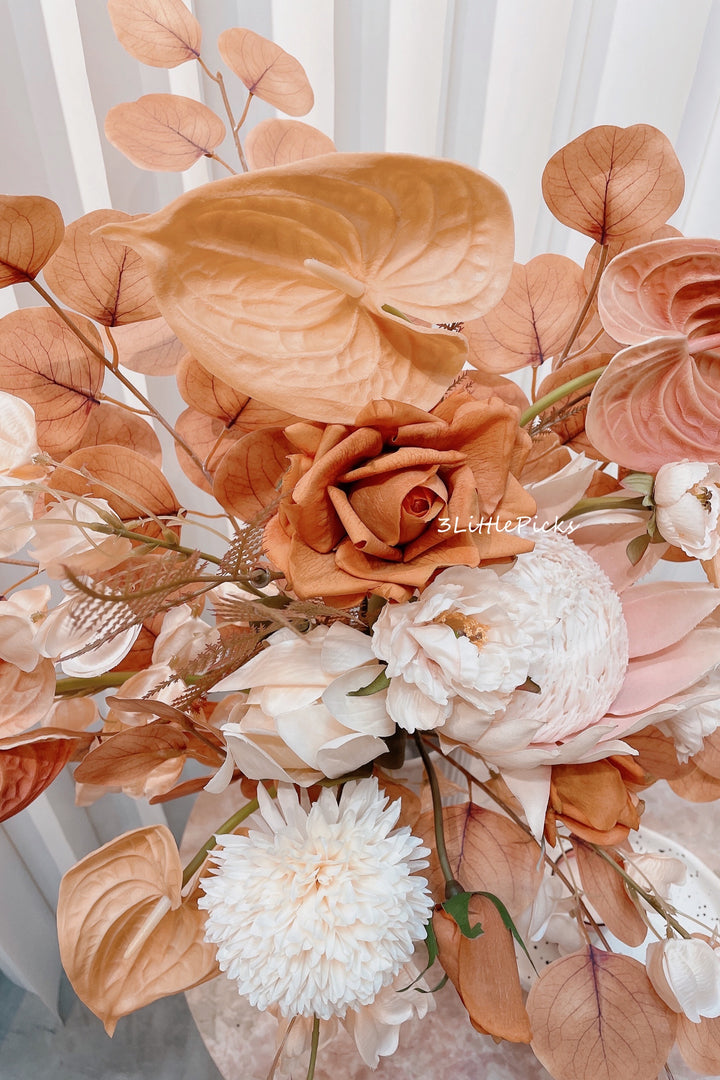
(280, 281)
(659, 399)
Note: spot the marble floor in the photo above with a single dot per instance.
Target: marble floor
(160, 1042)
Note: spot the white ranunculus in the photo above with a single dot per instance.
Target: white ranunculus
(299, 723)
(685, 972)
(687, 501)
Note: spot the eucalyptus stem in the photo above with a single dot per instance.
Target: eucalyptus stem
(114, 368)
(647, 896)
(220, 161)
(586, 306)
(313, 1047)
(452, 885)
(560, 392)
(219, 81)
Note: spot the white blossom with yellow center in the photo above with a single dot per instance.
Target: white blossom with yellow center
(316, 911)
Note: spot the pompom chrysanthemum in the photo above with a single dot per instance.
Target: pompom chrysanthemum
(315, 911)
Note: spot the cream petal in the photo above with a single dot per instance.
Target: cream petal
(257, 764)
(222, 777)
(345, 648)
(284, 663)
(307, 730)
(412, 710)
(347, 753)
(103, 657)
(365, 713)
(531, 787)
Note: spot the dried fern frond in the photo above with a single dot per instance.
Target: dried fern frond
(112, 602)
(236, 645)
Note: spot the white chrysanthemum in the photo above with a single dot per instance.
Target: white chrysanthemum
(316, 911)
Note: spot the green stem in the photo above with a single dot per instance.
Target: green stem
(604, 502)
(151, 541)
(77, 685)
(227, 827)
(452, 885)
(560, 392)
(647, 896)
(313, 1047)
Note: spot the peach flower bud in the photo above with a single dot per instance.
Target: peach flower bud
(687, 501)
(685, 972)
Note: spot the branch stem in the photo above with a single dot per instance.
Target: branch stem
(560, 392)
(218, 79)
(110, 365)
(313, 1047)
(586, 306)
(452, 885)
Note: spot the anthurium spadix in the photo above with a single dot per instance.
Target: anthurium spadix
(301, 284)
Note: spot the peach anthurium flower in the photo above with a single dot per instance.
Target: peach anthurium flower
(659, 399)
(18, 621)
(292, 270)
(687, 506)
(299, 724)
(381, 506)
(685, 972)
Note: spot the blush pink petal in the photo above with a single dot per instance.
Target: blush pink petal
(659, 613)
(652, 679)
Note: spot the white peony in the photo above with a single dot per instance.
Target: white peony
(472, 637)
(315, 911)
(685, 972)
(687, 502)
(299, 723)
(459, 656)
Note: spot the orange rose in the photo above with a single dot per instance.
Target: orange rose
(381, 506)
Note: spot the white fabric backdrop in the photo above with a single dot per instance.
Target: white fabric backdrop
(498, 84)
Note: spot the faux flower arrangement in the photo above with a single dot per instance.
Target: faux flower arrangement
(410, 560)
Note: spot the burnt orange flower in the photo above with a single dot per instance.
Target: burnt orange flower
(384, 504)
(596, 800)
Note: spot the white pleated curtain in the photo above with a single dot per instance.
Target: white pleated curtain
(497, 84)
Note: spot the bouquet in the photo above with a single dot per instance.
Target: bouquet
(414, 637)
